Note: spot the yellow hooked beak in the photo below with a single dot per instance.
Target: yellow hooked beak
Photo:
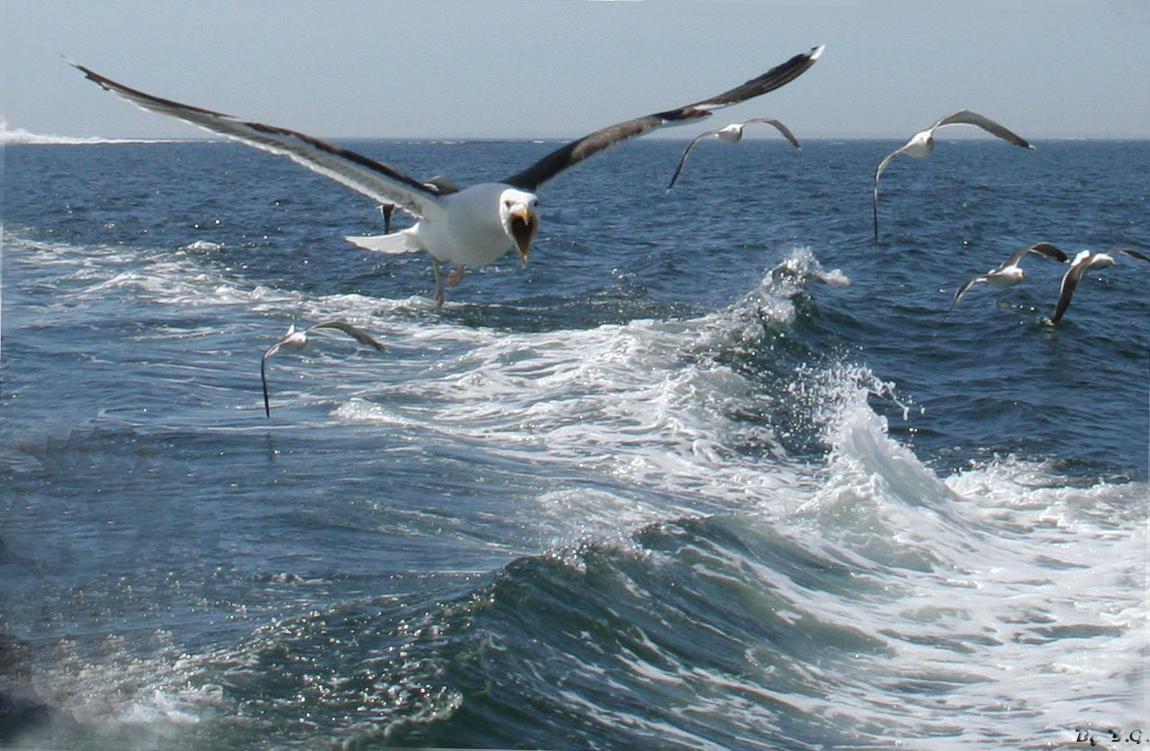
(524, 223)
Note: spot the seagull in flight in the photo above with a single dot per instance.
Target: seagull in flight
(732, 133)
(1083, 262)
(295, 340)
(921, 144)
(472, 226)
(1010, 273)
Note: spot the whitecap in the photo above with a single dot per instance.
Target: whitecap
(14, 136)
(203, 246)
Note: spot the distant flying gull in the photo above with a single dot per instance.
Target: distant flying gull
(732, 133)
(1010, 272)
(473, 226)
(1085, 260)
(921, 144)
(294, 341)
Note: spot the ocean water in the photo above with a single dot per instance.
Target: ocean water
(714, 471)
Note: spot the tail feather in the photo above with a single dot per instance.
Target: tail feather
(396, 242)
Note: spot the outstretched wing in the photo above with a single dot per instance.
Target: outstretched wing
(787, 134)
(264, 374)
(962, 290)
(576, 151)
(360, 173)
(1130, 252)
(686, 151)
(966, 117)
(878, 171)
(360, 336)
(1069, 283)
(1046, 250)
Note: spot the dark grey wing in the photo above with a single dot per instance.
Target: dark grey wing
(1130, 252)
(264, 373)
(1069, 283)
(962, 290)
(966, 117)
(686, 151)
(360, 336)
(576, 151)
(787, 134)
(878, 171)
(360, 173)
(1046, 250)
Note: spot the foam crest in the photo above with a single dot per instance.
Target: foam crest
(113, 694)
(98, 273)
(1006, 564)
(13, 136)
(618, 401)
(647, 405)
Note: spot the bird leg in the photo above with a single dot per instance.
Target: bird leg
(455, 276)
(387, 210)
(439, 298)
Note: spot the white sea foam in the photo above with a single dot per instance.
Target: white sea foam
(1011, 597)
(203, 246)
(1015, 601)
(12, 136)
(132, 700)
(99, 273)
(614, 401)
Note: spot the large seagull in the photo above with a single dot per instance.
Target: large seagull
(472, 226)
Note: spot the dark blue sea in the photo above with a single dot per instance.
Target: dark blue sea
(714, 471)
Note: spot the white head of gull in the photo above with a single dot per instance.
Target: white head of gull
(474, 225)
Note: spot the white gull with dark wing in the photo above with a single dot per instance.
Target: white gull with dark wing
(469, 227)
(921, 144)
(1083, 262)
(1009, 272)
(732, 133)
(295, 340)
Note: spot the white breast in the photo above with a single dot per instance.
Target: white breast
(465, 227)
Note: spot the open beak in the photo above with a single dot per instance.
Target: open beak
(524, 223)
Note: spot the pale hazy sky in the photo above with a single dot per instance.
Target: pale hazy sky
(561, 68)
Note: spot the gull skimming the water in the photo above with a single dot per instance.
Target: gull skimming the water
(295, 340)
(921, 144)
(1084, 261)
(469, 227)
(1010, 272)
(732, 133)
